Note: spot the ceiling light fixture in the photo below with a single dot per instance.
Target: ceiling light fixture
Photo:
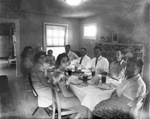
(73, 2)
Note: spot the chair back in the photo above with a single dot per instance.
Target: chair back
(139, 105)
(31, 84)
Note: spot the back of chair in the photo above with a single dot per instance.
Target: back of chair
(139, 105)
(31, 84)
(142, 105)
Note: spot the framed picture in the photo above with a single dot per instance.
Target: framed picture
(115, 37)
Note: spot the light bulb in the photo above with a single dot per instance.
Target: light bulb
(73, 2)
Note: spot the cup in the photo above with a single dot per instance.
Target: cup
(93, 73)
(103, 79)
(85, 78)
(69, 72)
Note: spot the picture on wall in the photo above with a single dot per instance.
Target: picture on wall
(115, 37)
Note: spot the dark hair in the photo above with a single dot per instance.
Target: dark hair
(96, 47)
(37, 55)
(139, 63)
(25, 51)
(68, 46)
(50, 50)
(58, 60)
(84, 48)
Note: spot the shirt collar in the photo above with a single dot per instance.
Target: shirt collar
(134, 77)
(99, 57)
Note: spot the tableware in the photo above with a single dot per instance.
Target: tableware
(69, 72)
(76, 82)
(85, 78)
(103, 79)
(93, 73)
(104, 86)
(82, 85)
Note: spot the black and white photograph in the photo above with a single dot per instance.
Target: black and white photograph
(74, 59)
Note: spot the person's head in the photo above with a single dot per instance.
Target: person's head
(39, 49)
(118, 55)
(27, 52)
(134, 66)
(50, 52)
(67, 48)
(97, 52)
(40, 57)
(83, 52)
(62, 61)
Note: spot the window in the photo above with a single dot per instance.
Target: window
(55, 38)
(90, 31)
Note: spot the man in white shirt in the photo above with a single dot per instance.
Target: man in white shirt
(118, 67)
(84, 60)
(99, 63)
(72, 56)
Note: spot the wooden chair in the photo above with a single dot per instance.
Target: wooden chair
(47, 109)
(61, 112)
(138, 108)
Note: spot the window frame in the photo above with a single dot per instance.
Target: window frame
(45, 38)
(90, 37)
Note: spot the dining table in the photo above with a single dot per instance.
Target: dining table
(89, 94)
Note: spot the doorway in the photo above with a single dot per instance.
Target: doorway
(10, 47)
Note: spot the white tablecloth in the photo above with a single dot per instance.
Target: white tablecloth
(90, 96)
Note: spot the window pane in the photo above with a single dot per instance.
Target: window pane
(90, 31)
(49, 41)
(61, 41)
(49, 33)
(61, 33)
(55, 33)
(55, 41)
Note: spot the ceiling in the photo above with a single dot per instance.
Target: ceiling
(86, 9)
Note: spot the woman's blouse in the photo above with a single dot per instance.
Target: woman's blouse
(132, 88)
(50, 59)
(35, 70)
(62, 78)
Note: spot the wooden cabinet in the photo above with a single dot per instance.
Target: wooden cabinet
(108, 49)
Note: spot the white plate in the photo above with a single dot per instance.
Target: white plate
(76, 82)
(104, 86)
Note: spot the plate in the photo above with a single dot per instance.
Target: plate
(105, 86)
(76, 82)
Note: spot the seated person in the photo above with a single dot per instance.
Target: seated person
(72, 56)
(67, 99)
(40, 82)
(118, 67)
(50, 59)
(84, 61)
(99, 63)
(26, 61)
(126, 94)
